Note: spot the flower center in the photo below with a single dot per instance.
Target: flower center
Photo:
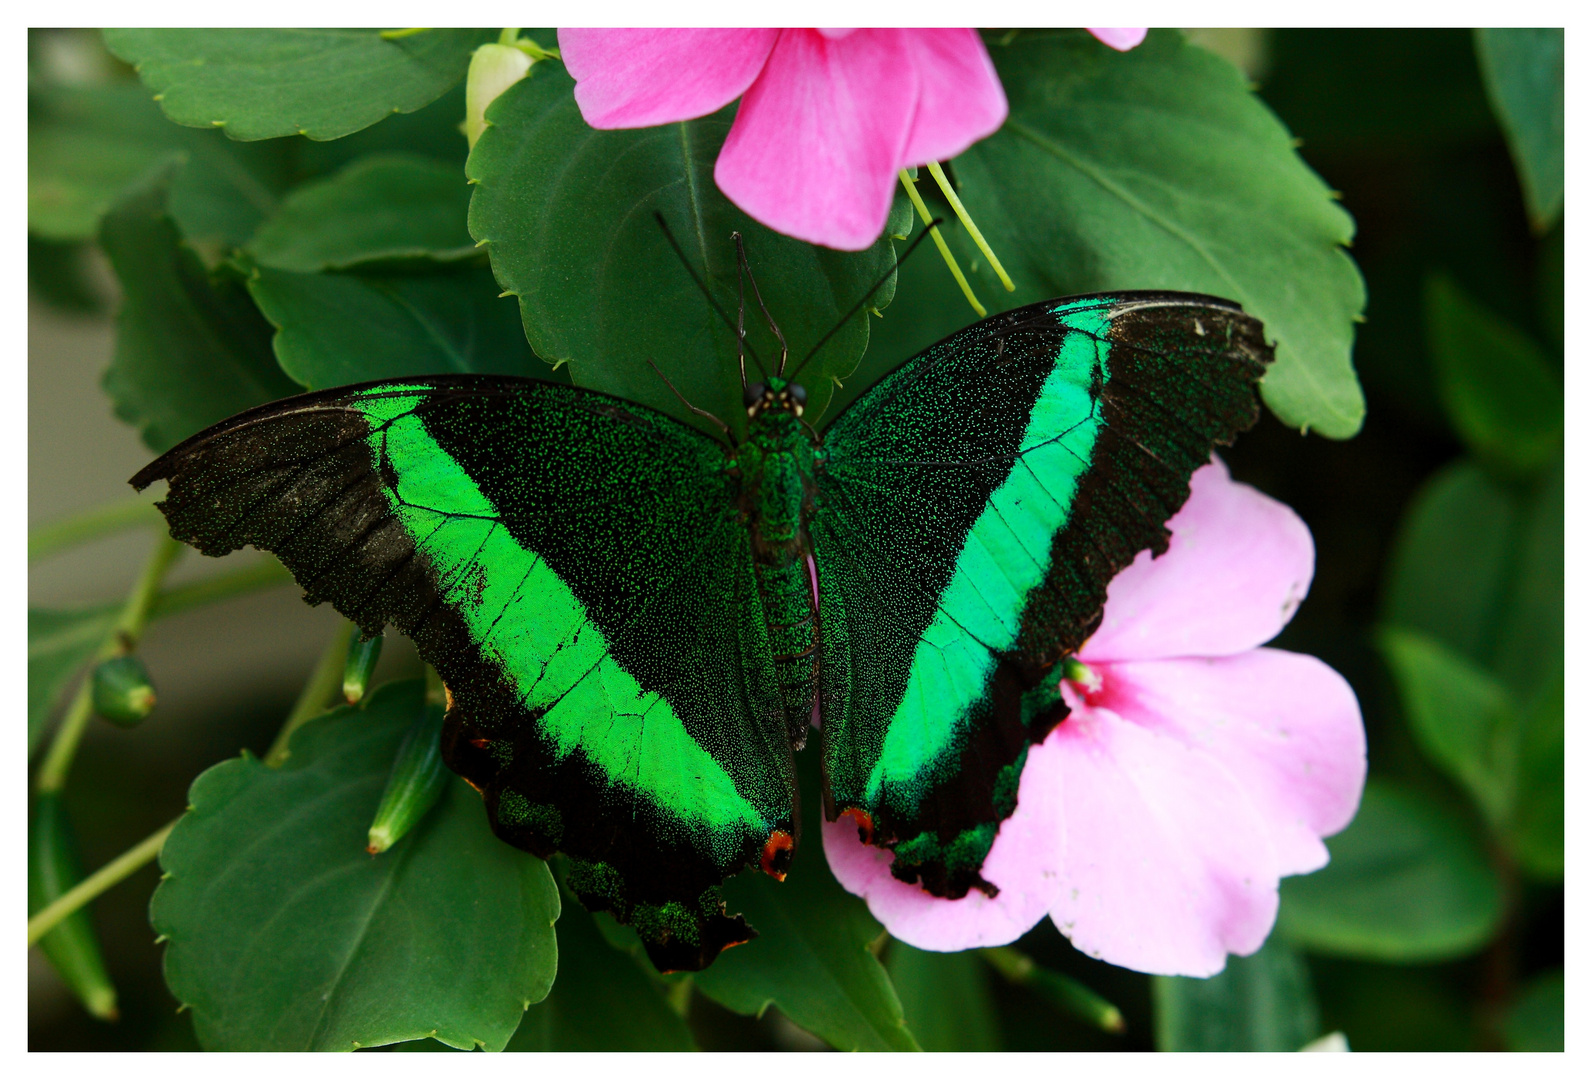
(1086, 683)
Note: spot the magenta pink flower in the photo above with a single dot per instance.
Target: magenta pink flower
(827, 119)
(1195, 769)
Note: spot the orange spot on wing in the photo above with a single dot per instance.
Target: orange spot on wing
(447, 697)
(863, 820)
(776, 854)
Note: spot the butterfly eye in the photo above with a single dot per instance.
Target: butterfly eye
(798, 394)
(753, 394)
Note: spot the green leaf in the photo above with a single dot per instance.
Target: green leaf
(1159, 169)
(283, 934)
(1260, 1002)
(1495, 383)
(1407, 883)
(72, 947)
(1530, 650)
(1536, 1022)
(261, 84)
(603, 1000)
(335, 329)
(1539, 814)
(59, 644)
(88, 145)
(566, 212)
(811, 955)
(390, 206)
(945, 998)
(1451, 564)
(1524, 73)
(190, 347)
(1462, 716)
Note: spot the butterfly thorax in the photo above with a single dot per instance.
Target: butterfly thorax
(777, 490)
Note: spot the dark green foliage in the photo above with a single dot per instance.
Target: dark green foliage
(261, 84)
(283, 934)
(59, 644)
(945, 998)
(336, 329)
(383, 207)
(190, 347)
(1523, 69)
(813, 959)
(1261, 1002)
(1157, 169)
(574, 238)
(89, 146)
(1407, 882)
(1495, 383)
(72, 947)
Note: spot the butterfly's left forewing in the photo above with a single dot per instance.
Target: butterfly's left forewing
(973, 507)
(575, 569)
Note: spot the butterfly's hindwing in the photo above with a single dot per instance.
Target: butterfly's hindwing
(974, 505)
(574, 568)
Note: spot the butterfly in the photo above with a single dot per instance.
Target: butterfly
(638, 624)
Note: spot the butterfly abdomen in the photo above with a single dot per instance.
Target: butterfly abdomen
(777, 464)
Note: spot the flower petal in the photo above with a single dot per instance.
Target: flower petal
(1169, 867)
(818, 139)
(1286, 726)
(1121, 38)
(1024, 863)
(1238, 566)
(638, 78)
(960, 99)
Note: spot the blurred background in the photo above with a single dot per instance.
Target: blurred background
(1438, 591)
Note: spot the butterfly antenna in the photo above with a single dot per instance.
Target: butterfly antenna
(687, 404)
(746, 268)
(844, 319)
(679, 254)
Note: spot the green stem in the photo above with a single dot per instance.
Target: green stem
(394, 35)
(967, 223)
(939, 242)
(91, 525)
(122, 639)
(263, 574)
(324, 681)
(1061, 990)
(117, 870)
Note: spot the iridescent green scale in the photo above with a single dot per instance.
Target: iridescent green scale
(637, 622)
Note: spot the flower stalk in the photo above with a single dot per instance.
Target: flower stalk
(939, 242)
(967, 223)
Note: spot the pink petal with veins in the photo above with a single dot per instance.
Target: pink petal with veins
(1122, 38)
(638, 78)
(960, 97)
(819, 137)
(1286, 726)
(1170, 865)
(1024, 863)
(1238, 566)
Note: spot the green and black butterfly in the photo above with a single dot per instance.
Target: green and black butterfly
(637, 622)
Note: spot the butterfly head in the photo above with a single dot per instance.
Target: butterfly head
(774, 393)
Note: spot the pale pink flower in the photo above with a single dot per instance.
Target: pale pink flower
(827, 120)
(1195, 768)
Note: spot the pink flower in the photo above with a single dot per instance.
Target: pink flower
(828, 116)
(1195, 769)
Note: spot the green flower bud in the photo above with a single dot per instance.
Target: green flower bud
(122, 691)
(362, 657)
(417, 780)
(72, 947)
(493, 69)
